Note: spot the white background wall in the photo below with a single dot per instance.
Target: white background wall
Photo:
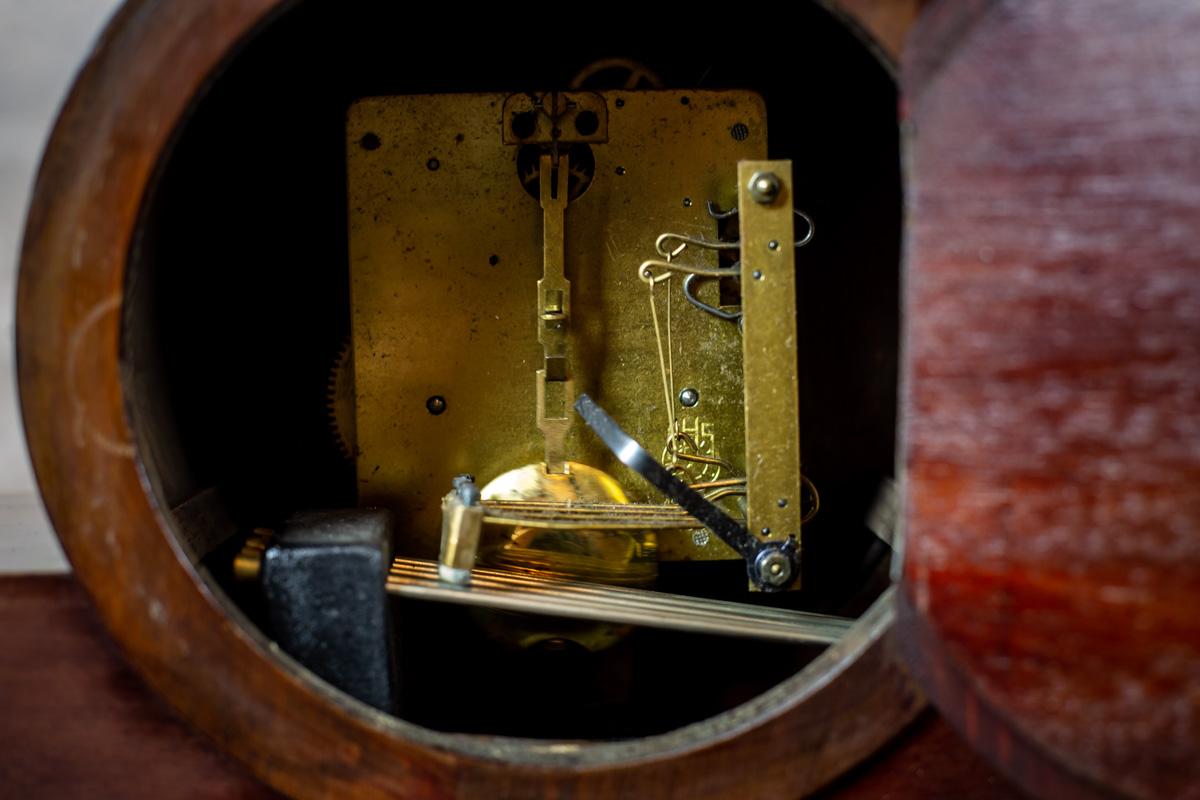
(42, 45)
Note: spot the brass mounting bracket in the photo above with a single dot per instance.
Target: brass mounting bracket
(769, 349)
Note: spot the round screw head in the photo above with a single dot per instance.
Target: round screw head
(765, 187)
(689, 397)
(774, 568)
(772, 245)
(435, 405)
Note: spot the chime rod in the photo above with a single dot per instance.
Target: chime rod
(507, 591)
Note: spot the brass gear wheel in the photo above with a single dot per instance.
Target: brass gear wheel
(339, 402)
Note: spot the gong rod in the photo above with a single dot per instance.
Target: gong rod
(511, 591)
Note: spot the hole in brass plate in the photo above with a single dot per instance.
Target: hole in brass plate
(524, 124)
(587, 123)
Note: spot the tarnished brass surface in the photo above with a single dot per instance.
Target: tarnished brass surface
(446, 247)
(462, 525)
(599, 555)
(769, 354)
(592, 555)
(554, 385)
(583, 516)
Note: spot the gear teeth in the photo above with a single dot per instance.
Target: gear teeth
(339, 401)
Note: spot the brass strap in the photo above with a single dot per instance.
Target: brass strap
(554, 387)
(769, 352)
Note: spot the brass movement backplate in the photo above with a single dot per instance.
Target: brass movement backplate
(446, 245)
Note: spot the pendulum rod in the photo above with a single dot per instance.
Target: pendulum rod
(554, 385)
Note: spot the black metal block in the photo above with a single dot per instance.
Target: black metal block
(324, 579)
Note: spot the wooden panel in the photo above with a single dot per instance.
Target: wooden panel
(1053, 380)
(78, 723)
(96, 472)
(928, 761)
(184, 638)
(888, 21)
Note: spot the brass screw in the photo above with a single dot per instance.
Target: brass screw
(765, 187)
(774, 567)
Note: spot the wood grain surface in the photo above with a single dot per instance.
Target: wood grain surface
(1052, 405)
(183, 635)
(929, 761)
(78, 722)
(887, 21)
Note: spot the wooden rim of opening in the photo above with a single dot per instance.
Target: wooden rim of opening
(185, 637)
